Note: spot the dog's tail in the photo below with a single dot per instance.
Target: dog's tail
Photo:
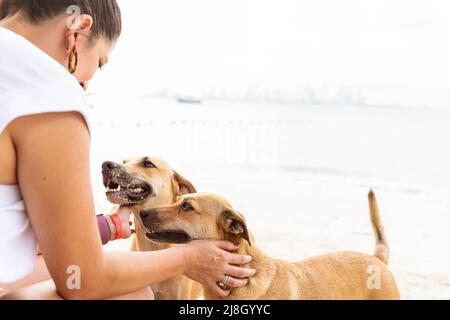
(381, 246)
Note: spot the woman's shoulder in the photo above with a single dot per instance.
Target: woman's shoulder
(31, 82)
(25, 65)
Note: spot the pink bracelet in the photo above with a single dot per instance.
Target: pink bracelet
(103, 227)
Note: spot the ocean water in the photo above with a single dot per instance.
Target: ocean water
(403, 148)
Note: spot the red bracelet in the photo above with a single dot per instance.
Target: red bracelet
(118, 223)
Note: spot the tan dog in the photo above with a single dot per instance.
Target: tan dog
(341, 275)
(149, 182)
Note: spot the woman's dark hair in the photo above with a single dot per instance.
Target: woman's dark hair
(105, 13)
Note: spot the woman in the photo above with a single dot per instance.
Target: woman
(48, 53)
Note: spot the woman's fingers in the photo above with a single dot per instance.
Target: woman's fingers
(238, 272)
(124, 212)
(226, 245)
(219, 291)
(115, 209)
(230, 257)
(213, 260)
(237, 259)
(235, 283)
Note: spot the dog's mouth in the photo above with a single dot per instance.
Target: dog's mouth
(122, 189)
(169, 236)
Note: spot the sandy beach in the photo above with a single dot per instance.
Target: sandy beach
(301, 176)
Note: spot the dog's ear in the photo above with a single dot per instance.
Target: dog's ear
(181, 185)
(234, 224)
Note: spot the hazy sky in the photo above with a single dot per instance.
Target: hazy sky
(397, 51)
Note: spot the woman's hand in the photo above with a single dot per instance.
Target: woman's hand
(210, 261)
(124, 214)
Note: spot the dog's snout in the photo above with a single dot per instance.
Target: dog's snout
(144, 213)
(149, 218)
(109, 165)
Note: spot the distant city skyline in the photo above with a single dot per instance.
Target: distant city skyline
(394, 52)
(253, 93)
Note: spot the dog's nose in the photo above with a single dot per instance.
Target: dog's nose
(144, 213)
(109, 165)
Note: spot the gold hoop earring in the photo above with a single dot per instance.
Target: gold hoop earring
(73, 60)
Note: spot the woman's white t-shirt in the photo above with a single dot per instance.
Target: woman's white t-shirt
(31, 82)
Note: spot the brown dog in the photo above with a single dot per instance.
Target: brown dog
(149, 182)
(341, 275)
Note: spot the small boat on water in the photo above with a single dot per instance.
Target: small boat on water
(189, 99)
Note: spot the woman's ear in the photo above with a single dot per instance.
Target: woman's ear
(234, 224)
(85, 24)
(181, 185)
(82, 25)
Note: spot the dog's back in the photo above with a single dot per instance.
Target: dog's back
(351, 275)
(345, 275)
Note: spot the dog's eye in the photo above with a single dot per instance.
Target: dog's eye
(148, 164)
(186, 206)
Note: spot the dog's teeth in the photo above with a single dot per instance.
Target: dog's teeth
(136, 190)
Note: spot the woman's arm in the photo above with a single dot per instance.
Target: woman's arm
(53, 174)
